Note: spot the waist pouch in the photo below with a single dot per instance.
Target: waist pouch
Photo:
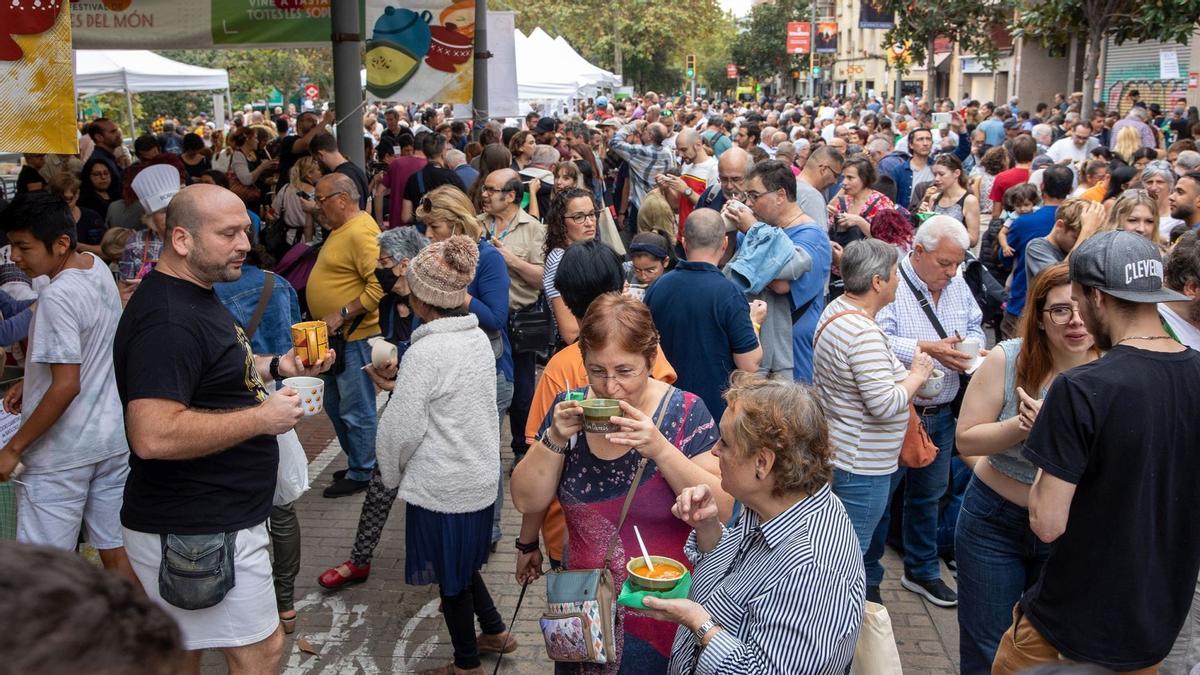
(196, 569)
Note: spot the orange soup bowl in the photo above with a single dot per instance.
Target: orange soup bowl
(666, 575)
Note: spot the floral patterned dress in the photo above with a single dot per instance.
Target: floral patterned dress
(592, 491)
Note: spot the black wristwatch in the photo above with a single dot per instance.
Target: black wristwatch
(274, 368)
(527, 548)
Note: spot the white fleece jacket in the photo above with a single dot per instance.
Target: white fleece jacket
(439, 437)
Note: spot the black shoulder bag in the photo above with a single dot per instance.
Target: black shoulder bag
(963, 378)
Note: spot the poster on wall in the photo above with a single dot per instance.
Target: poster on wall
(827, 37)
(420, 50)
(799, 37)
(873, 14)
(37, 77)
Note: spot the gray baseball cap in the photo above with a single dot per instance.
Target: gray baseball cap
(1124, 265)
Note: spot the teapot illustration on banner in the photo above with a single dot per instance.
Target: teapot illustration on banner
(24, 17)
(401, 38)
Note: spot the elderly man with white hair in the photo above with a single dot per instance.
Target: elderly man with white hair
(934, 313)
(1044, 135)
(1187, 162)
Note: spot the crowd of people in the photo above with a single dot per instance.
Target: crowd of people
(963, 330)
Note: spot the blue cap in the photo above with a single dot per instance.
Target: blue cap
(601, 101)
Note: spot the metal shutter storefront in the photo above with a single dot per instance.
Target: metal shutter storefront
(1134, 65)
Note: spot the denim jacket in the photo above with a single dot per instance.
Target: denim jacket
(274, 334)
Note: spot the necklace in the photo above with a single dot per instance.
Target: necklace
(1145, 337)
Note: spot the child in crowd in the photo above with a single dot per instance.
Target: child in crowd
(1018, 201)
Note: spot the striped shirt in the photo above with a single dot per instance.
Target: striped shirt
(550, 273)
(905, 323)
(787, 593)
(645, 162)
(857, 380)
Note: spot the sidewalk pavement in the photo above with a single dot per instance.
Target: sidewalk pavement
(385, 626)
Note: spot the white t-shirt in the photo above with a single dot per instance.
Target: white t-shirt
(1165, 225)
(1065, 149)
(75, 321)
(705, 171)
(1188, 334)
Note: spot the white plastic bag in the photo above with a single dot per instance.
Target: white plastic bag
(876, 653)
(292, 479)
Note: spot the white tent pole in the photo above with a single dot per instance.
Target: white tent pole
(129, 105)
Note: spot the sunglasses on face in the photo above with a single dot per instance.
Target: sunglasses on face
(322, 200)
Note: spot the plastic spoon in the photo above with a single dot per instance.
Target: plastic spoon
(645, 553)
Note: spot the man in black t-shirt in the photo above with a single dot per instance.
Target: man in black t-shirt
(1115, 494)
(201, 422)
(292, 148)
(434, 174)
(325, 150)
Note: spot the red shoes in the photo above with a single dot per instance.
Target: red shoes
(332, 578)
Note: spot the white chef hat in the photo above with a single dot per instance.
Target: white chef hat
(155, 185)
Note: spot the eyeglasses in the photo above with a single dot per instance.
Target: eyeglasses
(488, 190)
(321, 200)
(385, 262)
(752, 196)
(1061, 314)
(621, 375)
(731, 180)
(584, 217)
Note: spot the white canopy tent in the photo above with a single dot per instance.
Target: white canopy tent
(549, 69)
(137, 70)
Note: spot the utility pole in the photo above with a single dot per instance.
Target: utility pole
(347, 85)
(618, 67)
(479, 88)
(812, 54)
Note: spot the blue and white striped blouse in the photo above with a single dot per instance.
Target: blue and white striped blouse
(787, 593)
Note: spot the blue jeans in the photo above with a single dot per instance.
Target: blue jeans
(960, 475)
(350, 404)
(504, 394)
(925, 486)
(865, 499)
(999, 557)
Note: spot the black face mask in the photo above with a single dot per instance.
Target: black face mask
(387, 278)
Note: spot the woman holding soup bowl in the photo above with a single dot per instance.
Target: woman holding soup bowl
(782, 590)
(590, 473)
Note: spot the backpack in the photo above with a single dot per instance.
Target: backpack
(989, 293)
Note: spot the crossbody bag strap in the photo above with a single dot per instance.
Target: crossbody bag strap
(830, 320)
(924, 303)
(637, 478)
(261, 307)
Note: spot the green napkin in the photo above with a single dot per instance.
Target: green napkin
(630, 597)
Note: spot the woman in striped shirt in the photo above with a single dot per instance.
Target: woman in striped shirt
(573, 216)
(862, 387)
(782, 590)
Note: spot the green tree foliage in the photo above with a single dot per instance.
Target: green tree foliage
(654, 37)
(760, 50)
(1055, 21)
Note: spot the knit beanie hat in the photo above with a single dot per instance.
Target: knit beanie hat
(441, 272)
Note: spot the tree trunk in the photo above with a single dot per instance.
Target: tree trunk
(1091, 68)
(930, 74)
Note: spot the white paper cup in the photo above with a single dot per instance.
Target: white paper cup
(311, 391)
(933, 386)
(382, 352)
(970, 347)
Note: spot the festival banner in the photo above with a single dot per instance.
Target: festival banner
(201, 24)
(37, 77)
(799, 37)
(827, 37)
(420, 50)
(873, 14)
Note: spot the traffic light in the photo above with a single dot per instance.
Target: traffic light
(691, 66)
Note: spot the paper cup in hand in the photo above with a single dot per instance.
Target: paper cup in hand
(382, 351)
(311, 340)
(970, 347)
(311, 391)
